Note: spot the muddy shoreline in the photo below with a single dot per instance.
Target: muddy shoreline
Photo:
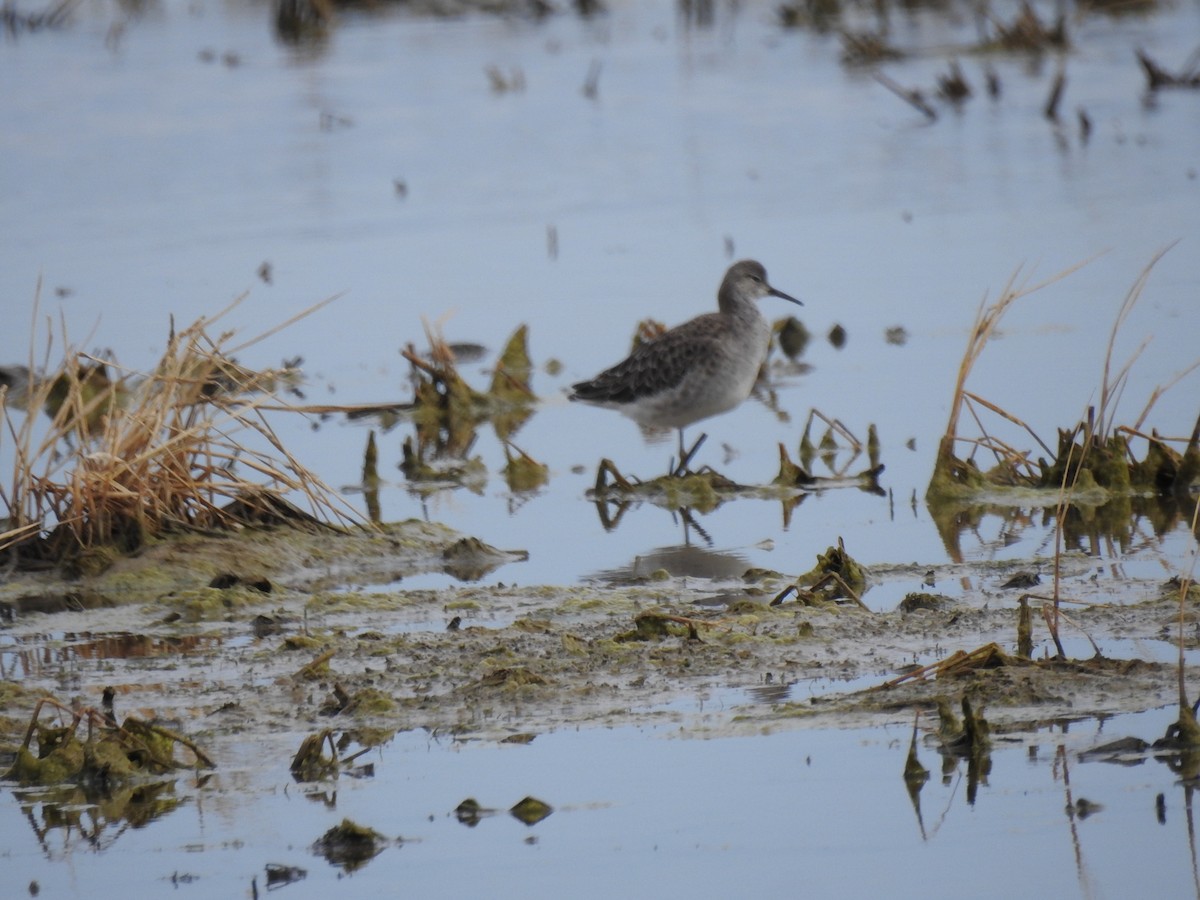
(298, 635)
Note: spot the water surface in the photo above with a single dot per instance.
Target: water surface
(152, 174)
(154, 161)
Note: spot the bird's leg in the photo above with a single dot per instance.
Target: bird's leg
(686, 458)
(690, 523)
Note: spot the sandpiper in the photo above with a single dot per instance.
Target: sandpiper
(703, 367)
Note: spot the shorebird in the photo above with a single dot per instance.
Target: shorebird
(702, 368)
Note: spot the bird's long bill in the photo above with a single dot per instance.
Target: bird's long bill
(782, 296)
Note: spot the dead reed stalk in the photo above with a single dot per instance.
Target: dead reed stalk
(987, 318)
(1111, 385)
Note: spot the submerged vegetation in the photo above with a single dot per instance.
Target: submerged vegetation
(110, 756)
(446, 412)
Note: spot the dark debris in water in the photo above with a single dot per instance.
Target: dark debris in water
(529, 810)
(1125, 751)
(1082, 808)
(523, 737)
(311, 763)
(793, 337)
(953, 85)
(470, 813)
(226, 580)
(1027, 32)
(350, 846)
(469, 559)
(1022, 580)
(1158, 77)
(54, 16)
(868, 48)
(915, 774)
(279, 875)
(523, 473)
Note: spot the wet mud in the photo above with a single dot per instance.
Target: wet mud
(338, 643)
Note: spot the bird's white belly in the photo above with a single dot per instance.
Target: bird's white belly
(704, 393)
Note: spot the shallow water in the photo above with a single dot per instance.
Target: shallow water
(147, 177)
(150, 172)
(633, 807)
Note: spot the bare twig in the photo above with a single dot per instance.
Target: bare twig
(912, 97)
(1056, 91)
(1107, 386)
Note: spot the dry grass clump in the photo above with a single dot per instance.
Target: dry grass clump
(1027, 31)
(127, 457)
(952, 474)
(1093, 453)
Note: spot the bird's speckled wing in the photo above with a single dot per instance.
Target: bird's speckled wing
(658, 365)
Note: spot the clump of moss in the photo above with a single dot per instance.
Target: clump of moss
(511, 678)
(531, 810)
(924, 600)
(836, 576)
(371, 701)
(350, 846)
(111, 754)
